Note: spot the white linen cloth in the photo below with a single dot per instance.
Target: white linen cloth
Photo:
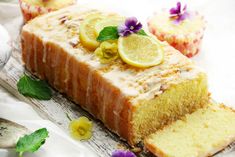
(217, 58)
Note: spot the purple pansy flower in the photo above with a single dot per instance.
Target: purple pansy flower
(131, 25)
(179, 13)
(123, 153)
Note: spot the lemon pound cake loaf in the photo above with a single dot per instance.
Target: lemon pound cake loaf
(180, 28)
(132, 102)
(200, 134)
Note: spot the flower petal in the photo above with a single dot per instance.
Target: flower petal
(131, 26)
(178, 6)
(185, 8)
(175, 11)
(131, 21)
(176, 21)
(130, 154)
(119, 153)
(178, 13)
(123, 153)
(137, 27)
(81, 129)
(183, 16)
(122, 29)
(126, 33)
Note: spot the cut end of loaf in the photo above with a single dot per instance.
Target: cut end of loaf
(171, 105)
(202, 133)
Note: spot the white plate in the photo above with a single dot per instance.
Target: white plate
(58, 143)
(5, 48)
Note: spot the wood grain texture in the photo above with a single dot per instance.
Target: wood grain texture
(103, 141)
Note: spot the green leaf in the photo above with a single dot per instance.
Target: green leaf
(142, 32)
(34, 88)
(108, 33)
(32, 142)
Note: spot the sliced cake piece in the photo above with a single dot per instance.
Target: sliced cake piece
(199, 134)
(133, 102)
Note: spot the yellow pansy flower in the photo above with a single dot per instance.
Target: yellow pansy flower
(107, 51)
(81, 128)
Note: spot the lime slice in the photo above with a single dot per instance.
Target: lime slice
(87, 31)
(114, 21)
(140, 51)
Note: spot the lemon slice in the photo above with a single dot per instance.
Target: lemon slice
(114, 21)
(140, 51)
(87, 31)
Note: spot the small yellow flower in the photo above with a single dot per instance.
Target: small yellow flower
(107, 51)
(81, 129)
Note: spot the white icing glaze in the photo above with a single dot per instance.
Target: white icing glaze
(75, 83)
(44, 56)
(189, 76)
(67, 73)
(28, 50)
(55, 63)
(115, 77)
(117, 109)
(88, 90)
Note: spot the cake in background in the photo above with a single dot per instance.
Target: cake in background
(181, 28)
(32, 8)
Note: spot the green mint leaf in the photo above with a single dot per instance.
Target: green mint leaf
(32, 142)
(34, 88)
(142, 32)
(108, 33)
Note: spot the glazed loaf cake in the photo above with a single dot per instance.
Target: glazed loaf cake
(200, 134)
(131, 102)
